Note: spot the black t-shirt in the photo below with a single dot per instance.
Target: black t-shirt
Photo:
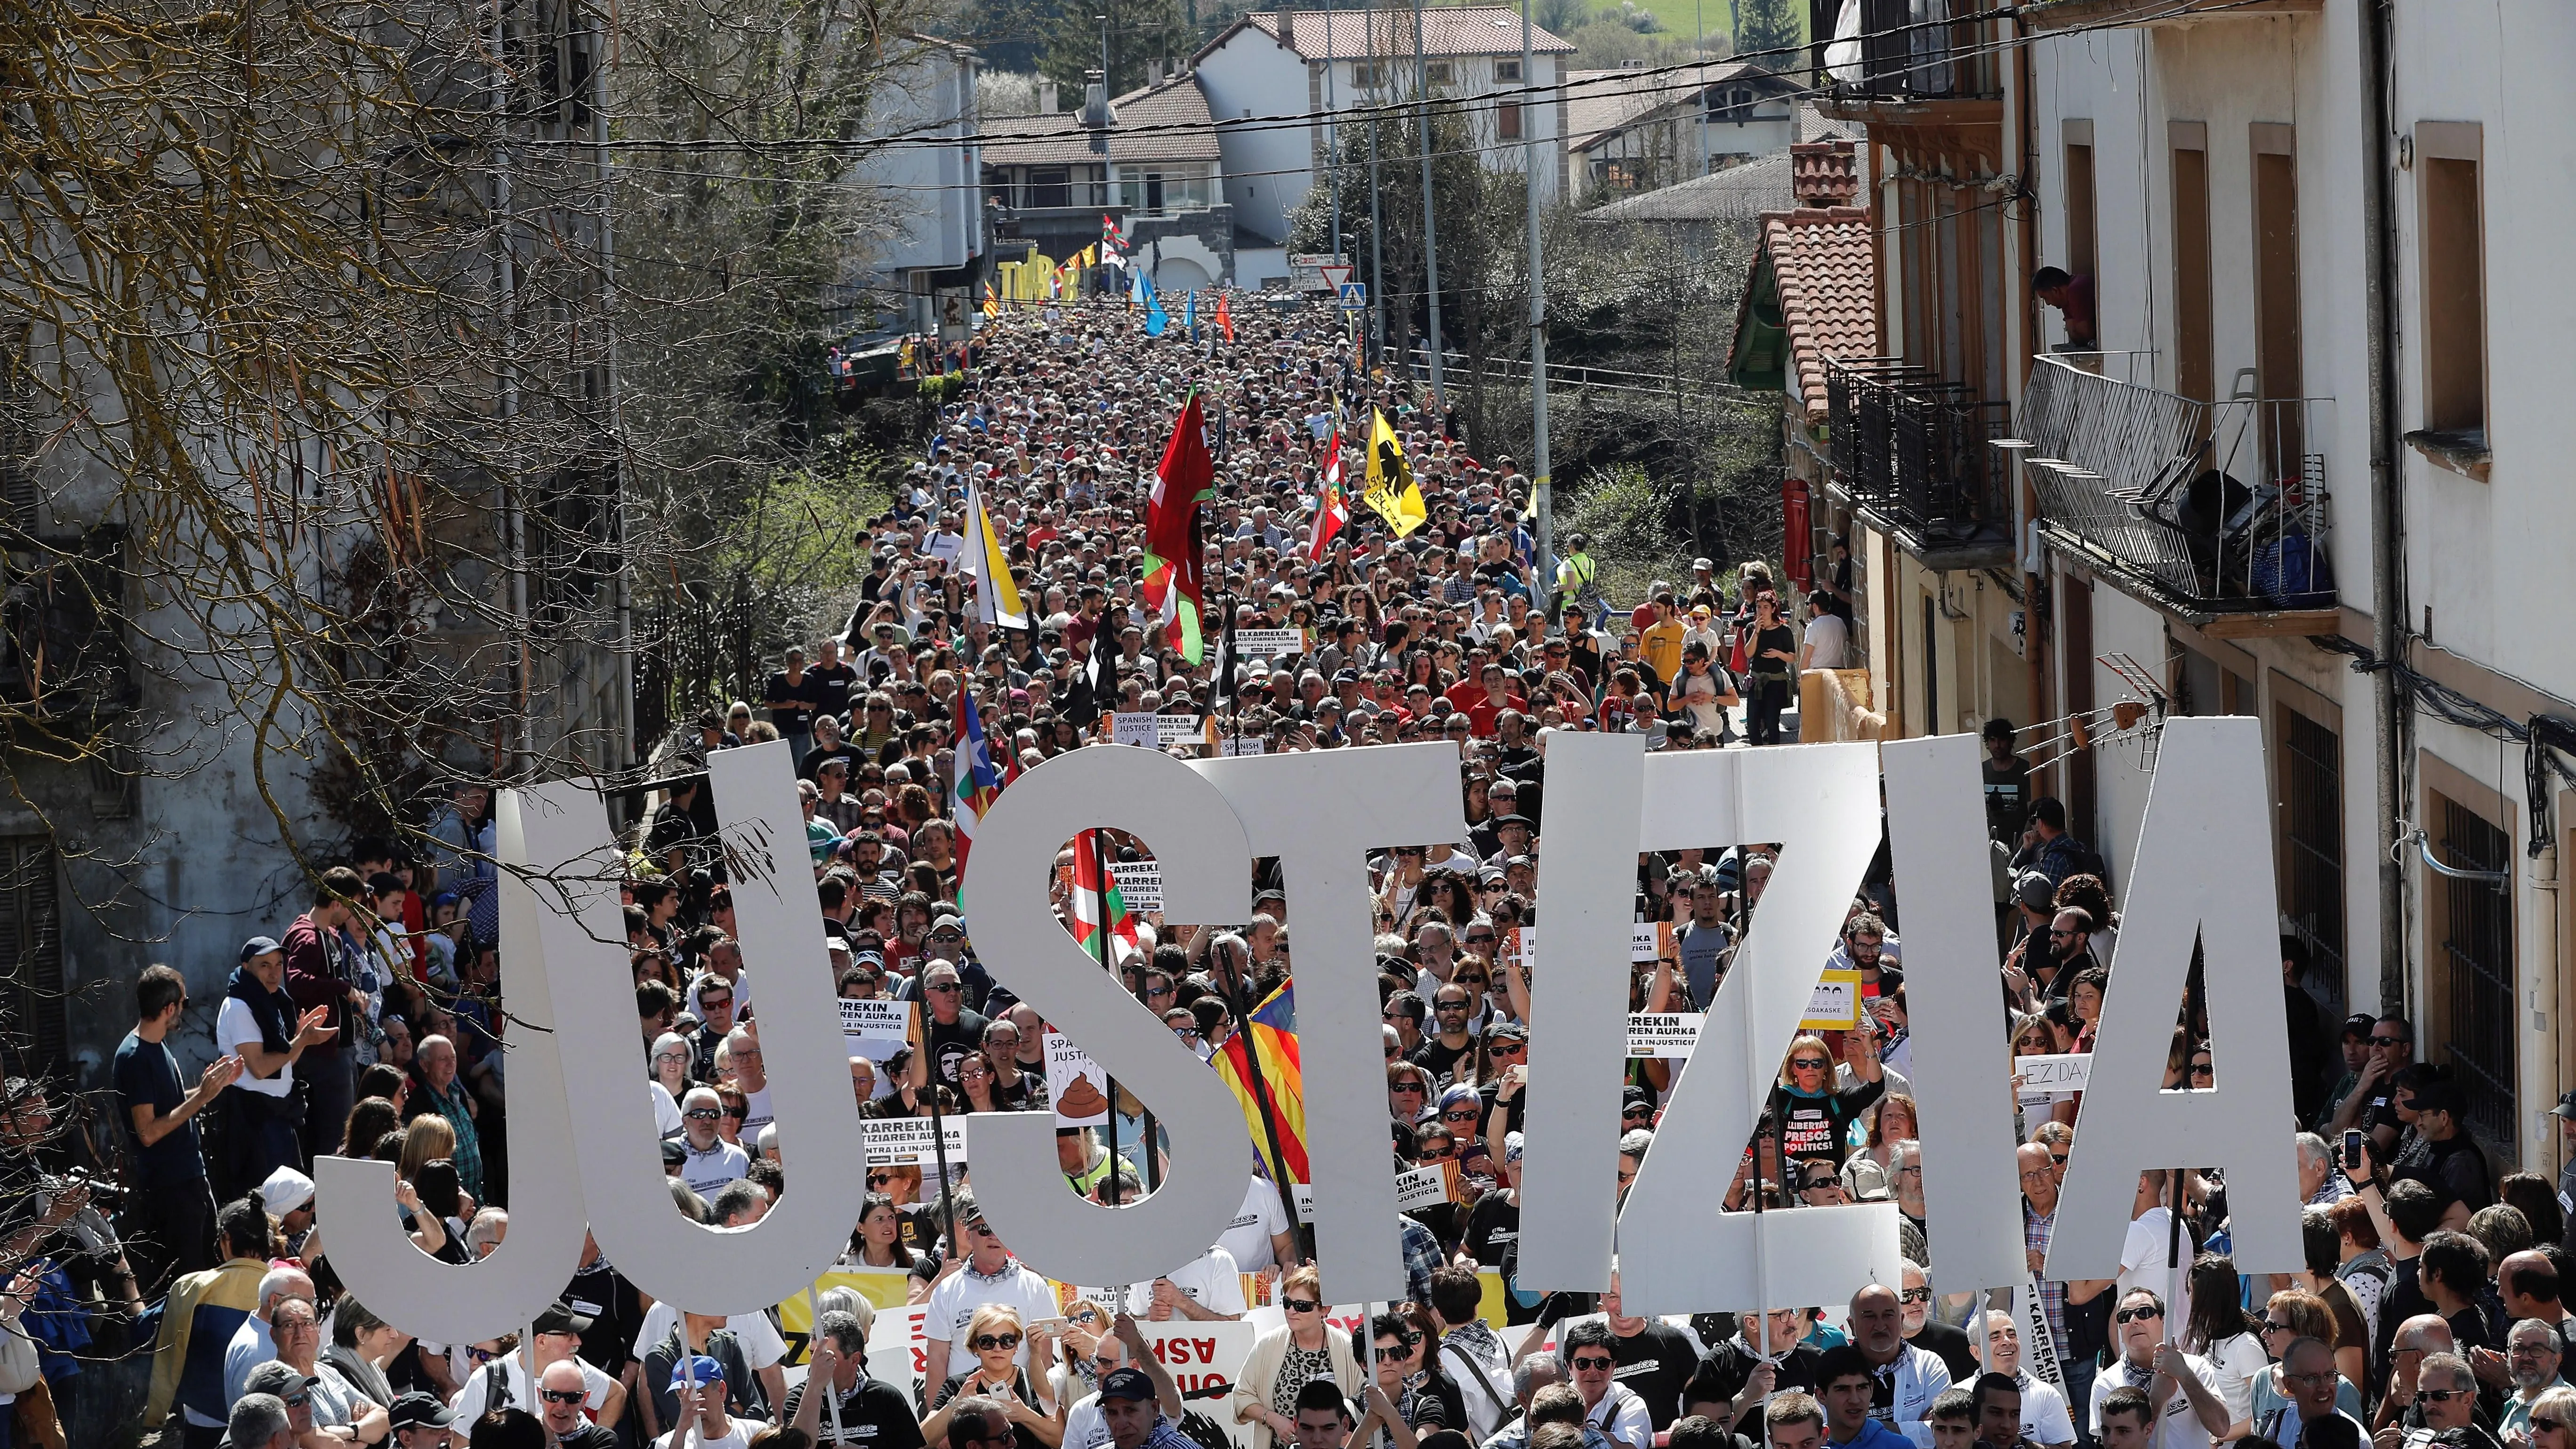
(616, 1312)
(827, 687)
(1440, 1061)
(146, 1073)
(1724, 1370)
(1492, 1227)
(1760, 664)
(798, 717)
(874, 1413)
(1953, 1347)
(1487, 1094)
(588, 1436)
(1655, 1364)
(1815, 1126)
(2007, 798)
(954, 1042)
(2454, 1169)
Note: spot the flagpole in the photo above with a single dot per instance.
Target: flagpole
(939, 1134)
(1101, 927)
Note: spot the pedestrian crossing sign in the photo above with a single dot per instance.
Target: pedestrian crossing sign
(1354, 296)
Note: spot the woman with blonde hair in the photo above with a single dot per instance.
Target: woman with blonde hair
(1814, 1114)
(993, 1335)
(1289, 1357)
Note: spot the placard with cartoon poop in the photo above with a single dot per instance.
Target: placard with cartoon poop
(1077, 1083)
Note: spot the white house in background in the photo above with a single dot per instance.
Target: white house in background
(1155, 168)
(1631, 130)
(928, 250)
(1275, 66)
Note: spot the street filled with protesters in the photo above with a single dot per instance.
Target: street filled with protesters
(1229, 539)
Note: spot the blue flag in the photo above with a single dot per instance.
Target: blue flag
(1156, 319)
(1190, 313)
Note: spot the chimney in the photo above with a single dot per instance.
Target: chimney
(1154, 72)
(1048, 97)
(1824, 173)
(1287, 24)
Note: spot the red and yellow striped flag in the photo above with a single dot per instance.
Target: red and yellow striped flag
(1280, 1102)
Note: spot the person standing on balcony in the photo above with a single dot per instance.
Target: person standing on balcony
(2072, 295)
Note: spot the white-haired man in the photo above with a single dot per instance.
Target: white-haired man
(707, 1161)
(254, 1342)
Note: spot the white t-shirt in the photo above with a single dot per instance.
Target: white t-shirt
(953, 1303)
(707, 1171)
(2044, 1419)
(1623, 1416)
(234, 1025)
(471, 1398)
(2233, 1364)
(2146, 1261)
(1211, 1281)
(756, 1114)
(681, 1439)
(2177, 1427)
(756, 1335)
(1830, 639)
(1247, 1238)
(666, 1113)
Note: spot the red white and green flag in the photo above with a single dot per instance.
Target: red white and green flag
(1332, 505)
(1174, 554)
(1095, 898)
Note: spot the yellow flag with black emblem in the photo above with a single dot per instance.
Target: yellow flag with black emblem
(1391, 492)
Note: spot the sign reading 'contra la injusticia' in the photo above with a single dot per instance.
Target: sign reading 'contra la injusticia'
(2200, 871)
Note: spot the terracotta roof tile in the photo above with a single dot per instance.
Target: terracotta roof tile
(1446, 31)
(1165, 122)
(1823, 264)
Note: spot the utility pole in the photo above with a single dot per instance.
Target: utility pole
(1541, 507)
(1332, 134)
(1430, 227)
(1699, 48)
(1377, 233)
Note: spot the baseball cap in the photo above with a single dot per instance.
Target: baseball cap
(259, 946)
(2566, 1107)
(2034, 889)
(1512, 1144)
(701, 1368)
(285, 1190)
(2362, 1024)
(1127, 1383)
(420, 1411)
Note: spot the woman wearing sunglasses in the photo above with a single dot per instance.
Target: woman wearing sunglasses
(1815, 1115)
(2553, 1421)
(994, 1335)
(1287, 1358)
(1409, 1373)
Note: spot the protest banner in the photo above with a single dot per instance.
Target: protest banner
(1835, 1006)
(1141, 882)
(906, 1141)
(1646, 940)
(1077, 1084)
(1233, 746)
(1153, 731)
(2051, 1077)
(1421, 1187)
(872, 1029)
(1270, 644)
(1669, 1035)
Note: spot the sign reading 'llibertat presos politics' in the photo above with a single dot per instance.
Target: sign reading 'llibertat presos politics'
(2196, 872)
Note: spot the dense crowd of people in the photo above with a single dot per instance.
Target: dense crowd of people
(2428, 1311)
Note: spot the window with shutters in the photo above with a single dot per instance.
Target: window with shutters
(31, 950)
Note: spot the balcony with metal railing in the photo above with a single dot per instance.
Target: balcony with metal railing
(1912, 454)
(2214, 510)
(1906, 51)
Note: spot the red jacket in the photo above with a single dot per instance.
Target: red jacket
(311, 977)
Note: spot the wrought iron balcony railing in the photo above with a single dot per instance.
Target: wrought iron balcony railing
(2216, 508)
(1912, 450)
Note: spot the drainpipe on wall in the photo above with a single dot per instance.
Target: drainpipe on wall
(2388, 498)
(2026, 552)
(2543, 1077)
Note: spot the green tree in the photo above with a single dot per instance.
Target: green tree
(1139, 31)
(1767, 30)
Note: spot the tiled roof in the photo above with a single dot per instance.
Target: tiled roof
(1164, 122)
(1824, 271)
(1738, 193)
(1824, 173)
(1361, 34)
(1598, 103)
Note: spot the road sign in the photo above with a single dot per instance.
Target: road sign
(1335, 277)
(1354, 296)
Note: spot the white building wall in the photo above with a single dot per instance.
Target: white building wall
(1269, 168)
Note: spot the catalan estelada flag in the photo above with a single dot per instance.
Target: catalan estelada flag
(1280, 1101)
(977, 784)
